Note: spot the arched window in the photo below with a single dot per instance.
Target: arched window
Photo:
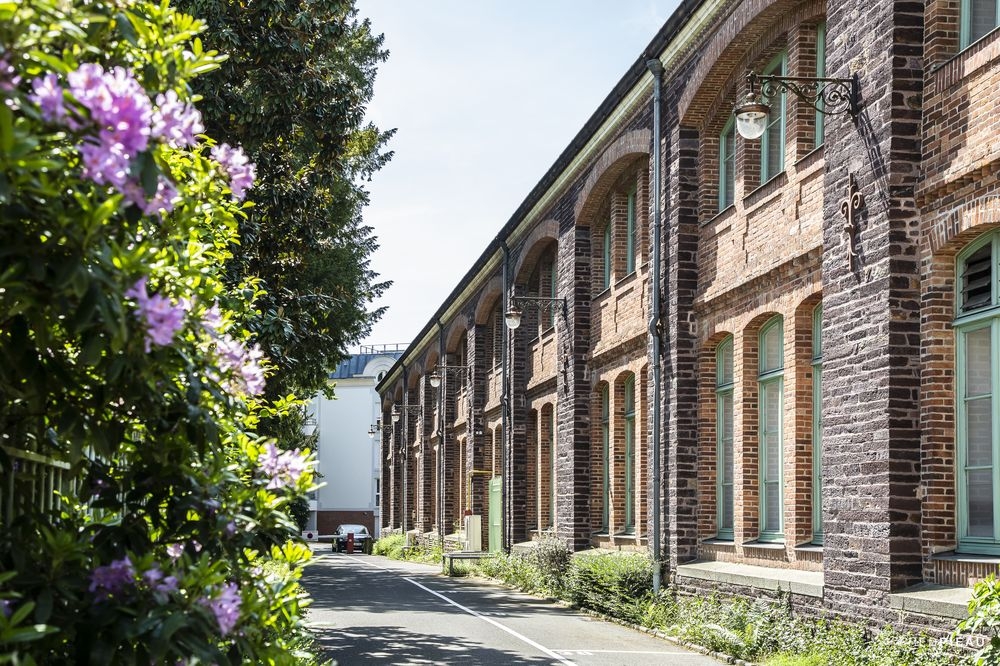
(631, 231)
(727, 165)
(605, 458)
(606, 254)
(724, 437)
(772, 144)
(817, 423)
(771, 391)
(630, 454)
(977, 332)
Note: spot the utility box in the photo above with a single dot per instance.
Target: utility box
(473, 533)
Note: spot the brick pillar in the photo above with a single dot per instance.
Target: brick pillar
(573, 388)
(680, 360)
(871, 442)
(516, 474)
(427, 518)
(475, 450)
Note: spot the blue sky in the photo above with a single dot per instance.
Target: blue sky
(484, 95)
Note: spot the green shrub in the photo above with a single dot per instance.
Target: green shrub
(984, 618)
(390, 546)
(614, 583)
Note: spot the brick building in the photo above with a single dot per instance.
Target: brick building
(820, 320)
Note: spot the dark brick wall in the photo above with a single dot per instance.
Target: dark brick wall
(871, 442)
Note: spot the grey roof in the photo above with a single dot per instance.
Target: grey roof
(355, 365)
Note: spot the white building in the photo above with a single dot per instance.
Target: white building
(349, 461)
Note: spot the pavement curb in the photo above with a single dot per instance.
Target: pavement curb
(694, 647)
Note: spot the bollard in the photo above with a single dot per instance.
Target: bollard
(350, 542)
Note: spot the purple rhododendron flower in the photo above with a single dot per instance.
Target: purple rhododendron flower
(9, 78)
(175, 121)
(6, 607)
(48, 95)
(175, 550)
(236, 359)
(162, 200)
(225, 606)
(105, 164)
(283, 467)
(118, 105)
(162, 318)
(241, 170)
(112, 578)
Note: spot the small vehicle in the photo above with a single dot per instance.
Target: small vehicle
(360, 533)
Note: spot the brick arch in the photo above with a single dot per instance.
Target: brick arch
(454, 332)
(539, 240)
(415, 372)
(431, 357)
(612, 163)
(397, 393)
(742, 38)
(982, 213)
(487, 299)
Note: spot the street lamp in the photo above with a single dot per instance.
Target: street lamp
(375, 428)
(826, 95)
(513, 315)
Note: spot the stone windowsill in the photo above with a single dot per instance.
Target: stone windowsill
(930, 599)
(810, 548)
(807, 583)
(765, 545)
(715, 541)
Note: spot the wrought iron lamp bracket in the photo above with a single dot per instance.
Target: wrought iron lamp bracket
(829, 96)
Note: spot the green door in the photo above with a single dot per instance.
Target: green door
(496, 487)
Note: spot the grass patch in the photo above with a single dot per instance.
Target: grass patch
(619, 585)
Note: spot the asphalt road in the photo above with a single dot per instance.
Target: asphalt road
(371, 610)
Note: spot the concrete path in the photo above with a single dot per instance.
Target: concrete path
(371, 610)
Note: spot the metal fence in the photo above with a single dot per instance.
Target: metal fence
(31, 482)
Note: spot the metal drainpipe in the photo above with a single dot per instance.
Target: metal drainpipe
(406, 445)
(656, 69)
(508, 437)
(442, 514)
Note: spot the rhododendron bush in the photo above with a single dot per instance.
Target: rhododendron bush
(141, 518)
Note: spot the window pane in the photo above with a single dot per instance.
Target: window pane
(771, 349)
(980, 503)
(726, 437)
(727, 168)
(982, 18)
(607, 256)
(772, 499)
(979, 426)
(977, 363)
(726, 517)
(724, 364)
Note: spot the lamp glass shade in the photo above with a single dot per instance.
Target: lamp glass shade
(435, 380)
(371, 432)
(395, 417)
(513, 317)
(751, 119)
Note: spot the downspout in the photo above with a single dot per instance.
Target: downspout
(508, 437)
(656, 69)
(441, 428)
(406, 445)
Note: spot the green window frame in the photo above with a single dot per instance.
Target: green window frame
(817, 424)
(631, 229)
(724, 384)
(629, 455)
(978, 19)
(820, 73)
(772, 143)
(770, 387)
(606, 250)
(727, 165)
(977, 343)
(605, 458)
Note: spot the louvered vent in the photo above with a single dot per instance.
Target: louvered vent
(977, 277)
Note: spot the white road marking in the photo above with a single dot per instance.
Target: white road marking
(370, 563)
(585, 652)
(496, 624)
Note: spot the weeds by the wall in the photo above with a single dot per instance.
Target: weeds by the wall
(619, 585)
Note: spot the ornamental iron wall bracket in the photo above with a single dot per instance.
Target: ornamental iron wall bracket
(829, 96)
(849, 206)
